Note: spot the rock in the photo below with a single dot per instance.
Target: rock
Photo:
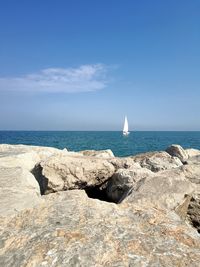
(45, 152)
(72, 230)
(166, 189)
(100, 153)
(192, 152)
(42, 151)
(122, 163)
(24, 156)
(177, 151)
(182, 209)
(189, 210)
(194, 160)
(71, 172)
(157, 161)
(124, 181)
(191, 172)
(25, 160)
(193, 211)
(18, 190)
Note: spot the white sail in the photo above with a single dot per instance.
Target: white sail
(125, 130)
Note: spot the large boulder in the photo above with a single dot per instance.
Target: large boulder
(26, 160)
(157, 161)
(42, 151)
(72, 172)
(25, 156)
(166, 189)
(124, 181)
(177, 151)
(69, 229)
(72, 230)
(18, 190)
(191, 172)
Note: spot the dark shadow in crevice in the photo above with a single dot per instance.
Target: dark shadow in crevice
(40, 178)
(196, 225)
(97, 192)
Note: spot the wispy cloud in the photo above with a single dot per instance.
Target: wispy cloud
(85, 78)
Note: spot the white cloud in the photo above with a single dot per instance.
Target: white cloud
(85, 78)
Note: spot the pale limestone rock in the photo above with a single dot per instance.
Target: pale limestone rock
(165, 189)
(98, 153)
(191, 172)
(42, 151)
(177, 151)
(72, 230)
(124, 163)
(24, 156)
(69, 172)
(157, 161)
(125, 181)
(26, 160)
(18, 190)
(192, 152)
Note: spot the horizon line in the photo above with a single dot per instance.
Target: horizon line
(98, 131)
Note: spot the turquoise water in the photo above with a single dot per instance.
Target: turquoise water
(135, 143)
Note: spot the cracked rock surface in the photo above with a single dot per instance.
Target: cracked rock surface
(54, 208)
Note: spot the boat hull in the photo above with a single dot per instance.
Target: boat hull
(126, 133)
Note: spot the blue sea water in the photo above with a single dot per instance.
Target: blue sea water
(136, 142)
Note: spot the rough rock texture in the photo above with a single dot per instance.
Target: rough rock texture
(166, 189)
(177, 151)
(189, 210)
(18, 190)
(125, 163)
(157, 161)
(71, 172)
(24, 156)
(72, 230)
(194, 160)
(125, 181)
(26, 160)
(156, 224)
(42, 151)
(192, 172)
(192, 152)
(100, 154)
(193, 211)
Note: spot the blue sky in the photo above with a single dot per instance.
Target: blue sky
(83, 65)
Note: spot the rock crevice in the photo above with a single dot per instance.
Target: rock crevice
(158, 208)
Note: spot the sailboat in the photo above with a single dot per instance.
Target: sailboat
(125, 129)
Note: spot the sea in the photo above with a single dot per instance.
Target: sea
(136, 142)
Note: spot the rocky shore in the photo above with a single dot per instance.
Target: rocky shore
(91, 209)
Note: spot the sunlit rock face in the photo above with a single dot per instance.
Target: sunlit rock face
(72, 172)
(157, 161)
(18, 190)
(61, 208)
(177, 151)
(69, 229)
